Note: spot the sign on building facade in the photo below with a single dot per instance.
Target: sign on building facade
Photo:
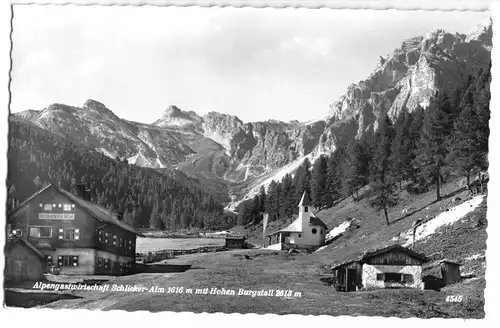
(56, 216)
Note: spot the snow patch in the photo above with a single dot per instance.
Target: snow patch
(475, 257)
(106, 153)
(321, 248)
(445, 218)
(277, 176)
(276, 247)
(338, 230)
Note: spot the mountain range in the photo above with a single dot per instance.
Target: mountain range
(234, 159)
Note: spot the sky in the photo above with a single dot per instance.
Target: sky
(255, 63)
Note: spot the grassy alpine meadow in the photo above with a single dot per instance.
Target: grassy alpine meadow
(267, 281)
(223, 282)
(158, 244)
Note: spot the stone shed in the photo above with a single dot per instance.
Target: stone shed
(393, 266)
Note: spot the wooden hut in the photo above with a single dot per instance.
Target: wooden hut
(235, 242)
(450, 271)
(389, 267)
(23, 262)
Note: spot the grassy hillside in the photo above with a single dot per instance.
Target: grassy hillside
(464, 239)
(303, 274)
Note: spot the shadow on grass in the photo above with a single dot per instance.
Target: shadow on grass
(453, 193)
(161, 268)
(28, 300)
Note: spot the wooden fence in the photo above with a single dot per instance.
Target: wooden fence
(152, 257)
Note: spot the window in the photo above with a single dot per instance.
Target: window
(408, 278)
(106, 263)
(48, 259)
(392, 277)
(314, 231)
(120, 242)
(300, 235)
(68, 261)
(100, 262)
(41, 232)
(305, 209)
(71, 234)
(100, 235)
(121, 267)
(106, 238)
(114, 240)
(380, 277)
(47, 207)
(67, 207)
(130, 244)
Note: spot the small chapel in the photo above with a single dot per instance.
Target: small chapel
(307, 230)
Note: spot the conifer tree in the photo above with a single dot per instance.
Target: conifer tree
(437, 126)
(382, 188)
(318, 182)
(334, 177)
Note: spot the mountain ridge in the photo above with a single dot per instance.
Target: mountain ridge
(236, 158)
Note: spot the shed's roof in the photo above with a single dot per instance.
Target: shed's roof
(236, 237)
(100, 213)
(369, 254)
(391, 248)
(449, 262)
(27, 244)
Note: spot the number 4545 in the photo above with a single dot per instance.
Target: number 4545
(454, 298)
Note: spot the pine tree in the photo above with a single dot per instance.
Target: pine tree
(382, 183)
(436, 128)
(262, 199)
(464, 151)
(357, 166)
(402, 148)
(334, 177)
(318, 182)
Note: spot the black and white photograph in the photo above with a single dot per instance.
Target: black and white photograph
(242, 160)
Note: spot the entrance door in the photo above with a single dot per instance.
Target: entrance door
(351, 280)
(20, 270)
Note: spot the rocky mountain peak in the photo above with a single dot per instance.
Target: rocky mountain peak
(411, 74)
(93, 104)
(172, 111)
(482, 32)
(98, 107)
(174, 116)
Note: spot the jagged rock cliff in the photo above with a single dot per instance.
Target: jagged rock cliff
(236, 158)
(410, 75)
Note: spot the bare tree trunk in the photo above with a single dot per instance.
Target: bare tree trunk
(386, 215)
(438, 183)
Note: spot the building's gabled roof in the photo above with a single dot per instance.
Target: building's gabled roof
(12, 211)
(305, 200)
(27, 244)
(100, 213)
(367, 255)
(315, 221)
(296, 225)
(391, 248)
